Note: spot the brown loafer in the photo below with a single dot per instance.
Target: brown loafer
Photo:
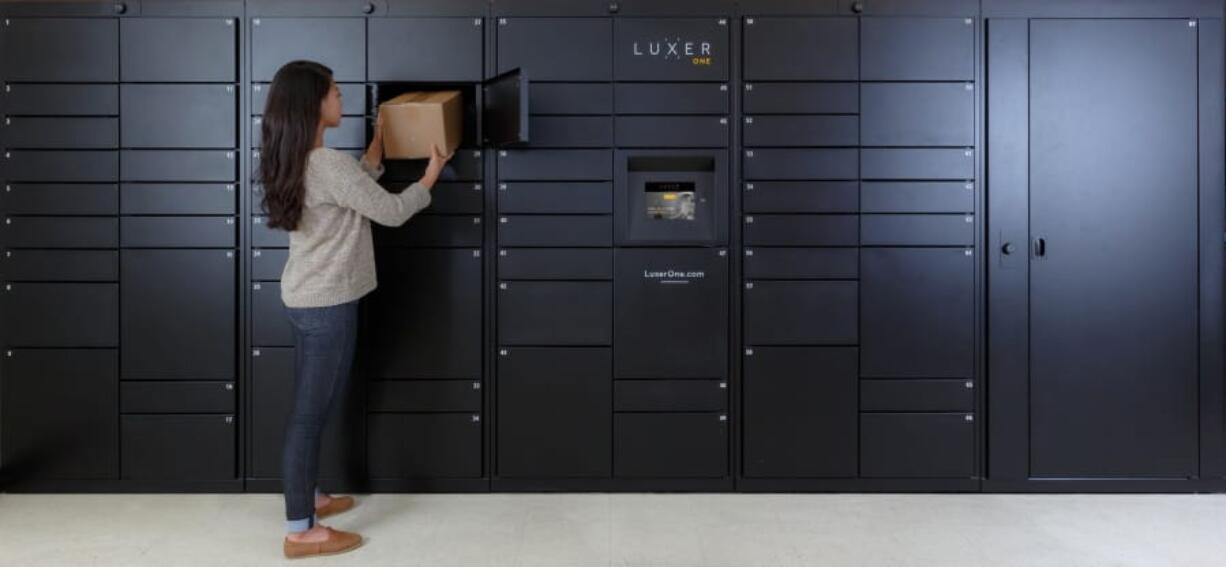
(337, 505)
(337, 542)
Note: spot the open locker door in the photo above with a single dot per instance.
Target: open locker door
(506, 109)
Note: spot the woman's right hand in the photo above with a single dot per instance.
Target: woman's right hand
(437, 161)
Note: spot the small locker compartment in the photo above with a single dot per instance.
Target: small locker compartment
(591, 198)
(467, 165)
(801, 197)
(179, 311)
(555, 165)
(60, 50)
(266, 237)
(179, 165)
(802, 230)
(59, 411)
(349, 135)
(670, 445)
(60, 100)
(470, 137)
(557, 49)
(808, 131)
(570, 99)
(802, 263)
(670, 395)
(672, 313)
(554, 412)
(61, 166)
(177, 397)
(429, 49)
(338, 43)
(577, 231)
(671, 49)
(179, 115)
(62, 314)
(801, 98)
(272, 395)
(917, 395)
(917, 49)
(178, 199)
(155, 50)
(442, 231)
(60, 199)
(178, 232)
(178, 447)
(555, 313)
(801, 49)
(788, 164)
(571, 131)
(918, 164)
(674, 197)
(446, 445)
(454, 396)
(76, 133)
(671, 98)
(800, 412)
(917, 445)
(353, 99)
(60, 232)
(60, 265)
(454, 198)
(917, 230)
(425, 318)
(918, 313)
(672, 131)
(270, 325)
(916, 114)
(801, 313)
(267, 264)
(555, 264)
(917, 197)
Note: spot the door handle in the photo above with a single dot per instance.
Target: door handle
(1040, 247)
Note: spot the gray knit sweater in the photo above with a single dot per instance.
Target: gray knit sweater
(331, 256)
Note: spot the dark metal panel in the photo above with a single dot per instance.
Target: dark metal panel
(60, 133)
(800, 412)
(555, 165)
(675, 7)
(672, 131)
(801, 313)
(60, 100)
(911, 7)
(60, 265)
(670, 445)
(555, 264)
(441, 231)
(152, 447)
(60, 50)
(150, 8)
(1101, 8)
(670, 395)
(801, 49)
(801, 197)
(918, 49)
(267, 264)
(917, 313)
(270, 325)
(571, 131)
(787, 164)
(424, 445)
(917, 230)
(317, 8)
(86, 8)
(425, 396)
(812, 131)
(178, 165)
(203, 50)
(1212, 219)
(178, 199)
(917, 445)
(179, 116)
(177, 397)
(917, 197)
(465, 165)
(671, 98)
(62, 314)
(570, 99)
(691, 287)
(349, 135)
(198, 287)
(789, 7)
(916, 114)
(338, 43)
(59, 199)
(802, 263)
(263, 236)
(555, 412)
(425, 49)
(60, 414)
(60, 232)
(802, 230)
(802, 98)
(917, 395)
(1114, 395)
(556, 8)
(353, 101)
(475, 8)
(918, 164)
(178, 232)
(556, 49)
(555, 198)
(671, 49)
(456, 198)
(555, 313)
(61, 166)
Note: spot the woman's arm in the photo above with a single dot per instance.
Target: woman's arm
(374, 153)
(350, 186)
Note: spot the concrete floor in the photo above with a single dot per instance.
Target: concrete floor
(639, 530)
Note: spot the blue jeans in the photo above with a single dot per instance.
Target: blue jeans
(325, 339)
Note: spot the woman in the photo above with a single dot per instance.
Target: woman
(326, 200)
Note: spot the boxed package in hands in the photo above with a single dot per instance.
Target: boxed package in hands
(413, 122)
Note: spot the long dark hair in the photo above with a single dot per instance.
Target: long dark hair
(291, 118)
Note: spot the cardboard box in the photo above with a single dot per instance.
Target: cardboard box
(412, 122)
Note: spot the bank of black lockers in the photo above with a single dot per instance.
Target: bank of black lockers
(767, 245)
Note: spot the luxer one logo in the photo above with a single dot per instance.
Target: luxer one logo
(676, 49)
(670, 275)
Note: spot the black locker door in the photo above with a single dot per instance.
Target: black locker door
(1113, 274)
(425, 320)
(60, 414)
(179, 116)
(425, 49)
(672, 313)
(557, 49)
(802, 49)
(178, 447)
(60, 50)
(159, 49)
(338, 43)
(178, 314)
